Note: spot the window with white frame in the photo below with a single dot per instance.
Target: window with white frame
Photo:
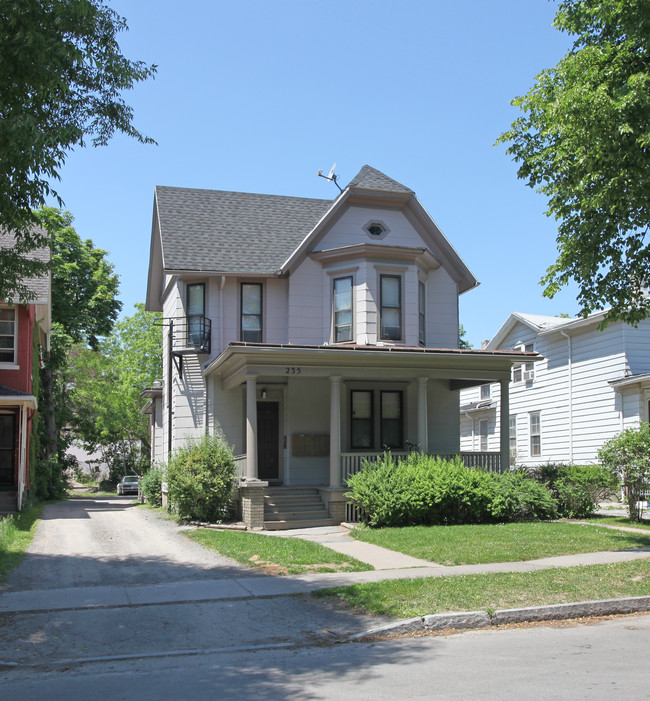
(7, 336)
(376, 419)
(390, 307)
(422, 317)
(485, 392)
(251, 312)
(535, 434)
(512, 433)
(524, 371)
(343, 309)
(195, 309)
(483, 427)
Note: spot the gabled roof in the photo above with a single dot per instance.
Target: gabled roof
(541, 324)
(221, 232)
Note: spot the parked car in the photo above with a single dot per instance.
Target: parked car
(129, 484)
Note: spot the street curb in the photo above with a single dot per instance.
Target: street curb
(482, 619)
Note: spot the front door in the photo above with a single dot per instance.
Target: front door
(7, 449)
(268, 440)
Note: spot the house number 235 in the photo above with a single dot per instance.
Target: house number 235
(292, 371)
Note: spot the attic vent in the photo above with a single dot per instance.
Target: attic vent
(376, 229)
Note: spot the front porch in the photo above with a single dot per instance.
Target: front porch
(310, 416)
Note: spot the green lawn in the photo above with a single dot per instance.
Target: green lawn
(274, 554)
(406, 598)
(16, 533)
(510, 542)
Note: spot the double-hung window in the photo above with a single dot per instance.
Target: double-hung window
(422, 317)
(390, 429)
(485, 392)
(195, 309)
(535, 434)
(361, 419)
(342, 309)
(512, 433)
(390, 303)
(7, 335)
(251, 312)
(524, 371)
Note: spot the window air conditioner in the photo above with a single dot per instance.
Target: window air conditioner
(529, 375)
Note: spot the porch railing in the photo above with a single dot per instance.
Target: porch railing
(240, 465)
(351, 463)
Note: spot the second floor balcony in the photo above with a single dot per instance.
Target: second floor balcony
(191, 334)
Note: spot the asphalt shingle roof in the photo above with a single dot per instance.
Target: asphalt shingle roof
(220, 231)
(241, 232)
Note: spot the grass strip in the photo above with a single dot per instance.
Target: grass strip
(407, 598)
(508, 542)
(16, 533)
(620, 521)
(276, 555)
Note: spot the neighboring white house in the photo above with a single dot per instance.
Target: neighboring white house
(308, 332)
(590, 385)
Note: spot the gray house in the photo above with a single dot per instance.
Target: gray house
(310, 333)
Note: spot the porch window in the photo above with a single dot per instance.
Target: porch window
(342, 309)
(535, 434)
(361, 422)
(422, 313)
(251, 312)
(391, 307)
(483, 434)
(195, 309)
(7, 335)
(512, 433)
(390, 429)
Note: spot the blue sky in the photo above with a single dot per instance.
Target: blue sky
(257, 96)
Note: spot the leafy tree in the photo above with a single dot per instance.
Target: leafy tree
(106, 390)
(462, 341)
(61, 76)
(584, 142)
(628, 458)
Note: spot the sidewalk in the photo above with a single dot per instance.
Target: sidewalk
(390, 565)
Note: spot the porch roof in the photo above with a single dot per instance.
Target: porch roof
(466, 367)
(15, 397)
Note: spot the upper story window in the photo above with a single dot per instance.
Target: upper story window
(422, 316)
(342, 293)
(390, 304)
(524, 371)
(195, 311)
(8, 336)
(376, 230)
(251, 312)
(485, 391)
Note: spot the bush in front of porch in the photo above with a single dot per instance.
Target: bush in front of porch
(424, 490)
(200, 476)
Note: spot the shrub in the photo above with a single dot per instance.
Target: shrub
(200, 478)
(577, 488)
(151, 485)
(627, 457)
(423, 490)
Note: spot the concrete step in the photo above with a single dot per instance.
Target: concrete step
(275, 492)
(285, 525)
(295, 515)
(293, 503)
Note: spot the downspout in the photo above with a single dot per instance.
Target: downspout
(169, 388)
(221, 286)
(570, 387)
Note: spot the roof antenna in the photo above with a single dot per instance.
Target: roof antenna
(331, 176)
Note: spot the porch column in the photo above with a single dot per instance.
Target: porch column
(423, 423)
(505, 425)
(335, 431)
(251, 426)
